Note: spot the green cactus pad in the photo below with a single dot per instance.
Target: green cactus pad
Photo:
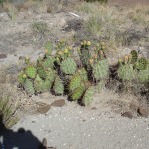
(48, 63)
(83, 74)
(31, 71)
(75, 82)
(41, 72)
(88, 96)
(77, 93)
(126, 72)
(46, 85)
(101, 69)
(28, 86)
(134, 56)
(141, 63)
(38, 83)
(21, 78)
(58, 86)
(50, 74)
(143, 75)
(85, 56)
(68, 66)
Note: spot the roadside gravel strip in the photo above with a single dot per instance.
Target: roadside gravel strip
(75, 127)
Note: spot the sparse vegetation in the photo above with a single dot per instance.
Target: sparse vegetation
(78, 74)
(117, 26)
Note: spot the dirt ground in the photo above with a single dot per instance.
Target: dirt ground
(69, 127)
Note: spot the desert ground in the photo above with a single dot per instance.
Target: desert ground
(114, 119)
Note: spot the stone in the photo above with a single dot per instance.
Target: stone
(58, 103)
(127, 114)
(43, 109)
(142, 111)
(2, 56)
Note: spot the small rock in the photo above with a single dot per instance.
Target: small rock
(58, 103)
(142, 111)
(127, 114)
(44, 109)
(62, 22)
(2, 56)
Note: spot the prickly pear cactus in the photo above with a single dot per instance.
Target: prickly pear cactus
(83, 74)
(58, 86)
(85, 53)
(126, 72)
(28, 86)
(46, 85)
(141, 63)
(22, 77)
(50, 74)
(41, 72)
(77, 93)
(31, 71)
(134, 56)
(68, 66)
(38, 83)
(143, 75)
(48, 63)
(88, 96)
(101, 69)
(75, 82)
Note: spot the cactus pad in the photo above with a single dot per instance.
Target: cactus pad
(88, 96)
(134, 56)
(38, 83)
(126, 72)
(77, 93)
(83, 74)
(29, 88)
(41, 72)
(75, 82)
(68, 66)
(141, 63)
(31, 71)
(21, 77)
(58, 86)
(101, 69)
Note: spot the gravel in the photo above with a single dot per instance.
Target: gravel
(76, 127)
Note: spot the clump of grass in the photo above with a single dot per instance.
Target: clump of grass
(10, 9)
(7, 111)
(40, 28)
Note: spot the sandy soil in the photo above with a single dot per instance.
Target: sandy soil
(70, 126)
(74, 127)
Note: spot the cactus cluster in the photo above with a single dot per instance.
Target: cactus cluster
(134, 68)
(66, 71)
(78, 73)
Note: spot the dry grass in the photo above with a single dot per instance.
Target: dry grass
(13, 102)
(44, 6)
(117, 25)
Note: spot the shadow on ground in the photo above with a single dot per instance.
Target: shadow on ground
(18, 140)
